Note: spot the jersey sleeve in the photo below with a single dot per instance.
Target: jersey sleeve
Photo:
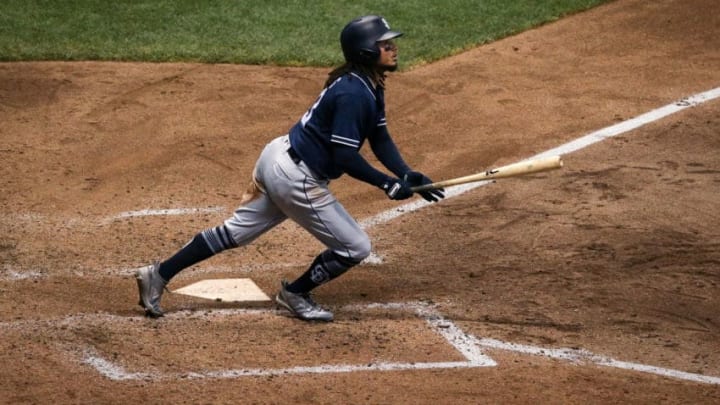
(348, 118)
(387, 152)
(356, 166)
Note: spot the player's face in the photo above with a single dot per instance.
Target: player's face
(388, 55)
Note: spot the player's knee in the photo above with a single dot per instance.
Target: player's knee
(360, 250)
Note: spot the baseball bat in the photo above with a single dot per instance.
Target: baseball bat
(513, 170)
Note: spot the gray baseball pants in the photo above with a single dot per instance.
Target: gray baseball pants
(291, 190)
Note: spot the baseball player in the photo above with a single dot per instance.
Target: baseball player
(291, 176)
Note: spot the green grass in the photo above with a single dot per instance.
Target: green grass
(281, 32)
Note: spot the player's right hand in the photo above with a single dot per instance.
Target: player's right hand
(397, 189)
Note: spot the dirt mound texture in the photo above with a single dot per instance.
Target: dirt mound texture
(616, 256)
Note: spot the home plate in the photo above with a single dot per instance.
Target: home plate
(226, 289)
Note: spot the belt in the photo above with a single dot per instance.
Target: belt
(294, 156)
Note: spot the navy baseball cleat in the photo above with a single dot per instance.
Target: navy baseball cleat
(302, 305)
(150, 286)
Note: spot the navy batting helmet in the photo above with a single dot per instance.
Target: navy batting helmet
(360, 36)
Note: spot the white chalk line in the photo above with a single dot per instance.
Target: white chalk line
(69, 222)
(373, 260)
(468, 345)
(631, 124)
(581, 355)
(9, 273)
(162, 212)
(564, 149)
(115, 372)
(391, 214)
(563, 354)
(463, 343)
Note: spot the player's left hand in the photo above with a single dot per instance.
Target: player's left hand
(415, 179)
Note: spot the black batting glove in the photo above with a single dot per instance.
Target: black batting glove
(397, 189)
(415, 179)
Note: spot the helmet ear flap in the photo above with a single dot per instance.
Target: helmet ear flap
(369, 56)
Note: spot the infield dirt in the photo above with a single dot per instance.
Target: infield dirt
(618, 253)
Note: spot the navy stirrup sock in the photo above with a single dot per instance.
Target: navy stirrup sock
(195, 251)
(326, 266)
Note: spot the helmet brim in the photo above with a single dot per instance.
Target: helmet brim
(389, 35)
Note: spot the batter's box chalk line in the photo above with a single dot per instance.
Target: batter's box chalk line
(454, 191)
(161, 212)
(462, 342)
(469, 346)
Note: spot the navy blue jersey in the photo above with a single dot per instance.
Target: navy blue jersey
(346, 113)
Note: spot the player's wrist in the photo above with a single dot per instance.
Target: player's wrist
(386, 182)
(397, 189)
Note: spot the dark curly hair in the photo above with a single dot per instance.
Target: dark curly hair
(376, 76)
